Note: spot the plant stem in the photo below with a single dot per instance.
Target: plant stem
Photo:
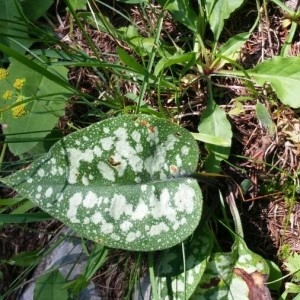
(4, 147)
(152, 277)
(288, 42)
(284, 7)
(151, 62)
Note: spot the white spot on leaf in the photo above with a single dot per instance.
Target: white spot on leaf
(41, 172)
(125, 226)
(75, 157)
(107, 143)
(158, 229)
(132, 236)
(91, 200)
(119, 206)
(49, 192)
(106, 171)
(185, 150)
(140, 212)
(74, 202)
(85, 180)
(184, 198)
(136, 136)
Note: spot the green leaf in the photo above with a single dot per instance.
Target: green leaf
(142, 45)
(293, 265)
(78, 4)
(275, 276)
(34, 11)
(11, 26)
(28, 62)
(96, 259)
(265, 118)
(122, 182)
(133, 1)
(240, 274)
(24, 218)
(131, 62)
(172, 280)
(218, 11)
(166, 62)
(216, 154)
(231, 49)
(182, 11)
(25, 258)
(215, 130)
(23, 133)
(283, 73)
(49, 286)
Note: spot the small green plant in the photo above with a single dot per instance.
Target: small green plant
(292, 264)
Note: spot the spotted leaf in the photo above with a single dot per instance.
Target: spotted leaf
(177, 273)
(240, 274)
(123, 182)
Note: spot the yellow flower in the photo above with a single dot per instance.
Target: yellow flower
(7, 95)
(3, 73)
(18, 84)
(19, 110)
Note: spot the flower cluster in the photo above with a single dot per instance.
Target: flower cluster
(18, 110)
(3, 73)
(18, 84)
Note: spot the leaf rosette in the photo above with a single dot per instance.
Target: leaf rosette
(123, 182)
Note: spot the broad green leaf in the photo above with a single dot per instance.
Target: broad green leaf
(25, 258)
(34, 11)
(172, 280)
(166, 62)
(28, 62)
(215, 131)
(218, 11)
(24, 218)
(78, 4)
(265, 118)
(24, 132)
(291, 288)
(275, 276)
(216, 154)
(131, 62)
(240, 274)
(182, 11)
(209, 139)
(122, 182)
(133, 1)
(231, 49)
(293, 265)
(214, 127)
(283, 73)
(142, 45)
(9, 16)
(50, 286)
